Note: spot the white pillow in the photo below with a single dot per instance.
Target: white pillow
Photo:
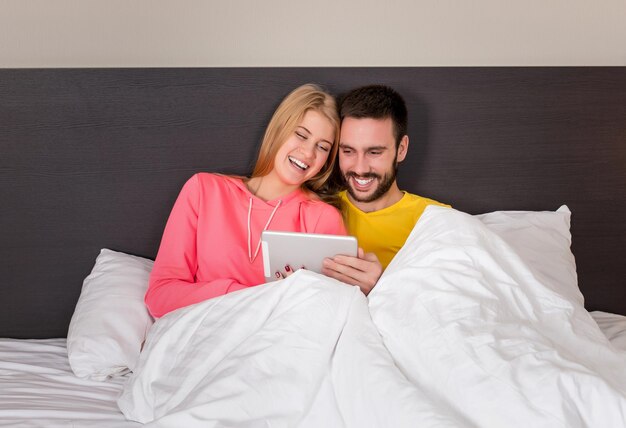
(110, 321)
(542, 239)
(613, 326)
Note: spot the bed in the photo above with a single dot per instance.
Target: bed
(532, 160)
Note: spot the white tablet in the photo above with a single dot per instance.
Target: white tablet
(301, 249)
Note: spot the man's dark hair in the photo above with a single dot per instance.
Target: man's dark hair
(376, 102)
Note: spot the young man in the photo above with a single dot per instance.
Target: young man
(373, 142)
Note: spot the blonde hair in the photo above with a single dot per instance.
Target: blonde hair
(284, 122)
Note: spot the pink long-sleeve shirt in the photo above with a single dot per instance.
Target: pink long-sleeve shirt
(204, 249)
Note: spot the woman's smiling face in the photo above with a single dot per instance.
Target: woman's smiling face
(305, 152)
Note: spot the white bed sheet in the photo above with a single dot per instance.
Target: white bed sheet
(38, 389)
(489, 334)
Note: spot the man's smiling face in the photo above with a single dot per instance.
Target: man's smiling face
(368, 157)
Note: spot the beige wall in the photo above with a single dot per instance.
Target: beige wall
(144, 33)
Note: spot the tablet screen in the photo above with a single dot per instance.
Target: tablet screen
(301, 249)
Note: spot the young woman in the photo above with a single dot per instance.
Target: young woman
(211, 243)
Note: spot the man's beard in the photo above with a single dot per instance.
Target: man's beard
(384, 183)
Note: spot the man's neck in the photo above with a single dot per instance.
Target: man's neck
(393, 195)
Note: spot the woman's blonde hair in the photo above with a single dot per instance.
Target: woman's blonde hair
(284, 122)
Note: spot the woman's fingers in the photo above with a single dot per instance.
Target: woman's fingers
(288, 270)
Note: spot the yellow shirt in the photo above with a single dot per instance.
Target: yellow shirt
(385, 231)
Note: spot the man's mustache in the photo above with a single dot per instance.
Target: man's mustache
(361, 176)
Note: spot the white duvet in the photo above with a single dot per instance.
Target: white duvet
(458, 332)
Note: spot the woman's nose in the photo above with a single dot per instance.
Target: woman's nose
(308, 150)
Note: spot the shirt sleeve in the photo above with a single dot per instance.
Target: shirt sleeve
(172, 282)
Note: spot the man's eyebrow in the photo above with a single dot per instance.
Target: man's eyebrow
(348, 146)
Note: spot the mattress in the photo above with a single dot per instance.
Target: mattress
(38, 388)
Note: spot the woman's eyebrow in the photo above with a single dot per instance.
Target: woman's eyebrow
(322, 140)
(300, 126)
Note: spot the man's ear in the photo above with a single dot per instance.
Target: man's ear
(403, 148)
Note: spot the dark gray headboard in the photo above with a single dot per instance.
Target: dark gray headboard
(94, 158)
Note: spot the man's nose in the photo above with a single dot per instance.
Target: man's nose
(360, 165)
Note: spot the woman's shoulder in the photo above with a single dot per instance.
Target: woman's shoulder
(212, 186)
(313, 200)
(313, 204)
(321, 217)
(205, 179)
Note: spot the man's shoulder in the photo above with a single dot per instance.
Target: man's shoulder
(413, 199)
(409, 202)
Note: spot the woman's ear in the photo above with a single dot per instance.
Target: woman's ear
(403, 148)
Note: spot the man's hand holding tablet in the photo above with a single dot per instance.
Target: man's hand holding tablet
(364, 270)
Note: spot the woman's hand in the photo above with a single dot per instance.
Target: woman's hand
(286, 272)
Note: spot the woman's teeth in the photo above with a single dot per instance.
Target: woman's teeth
(298, 163)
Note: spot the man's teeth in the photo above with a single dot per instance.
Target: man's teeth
(362, 182)
(298, 163)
